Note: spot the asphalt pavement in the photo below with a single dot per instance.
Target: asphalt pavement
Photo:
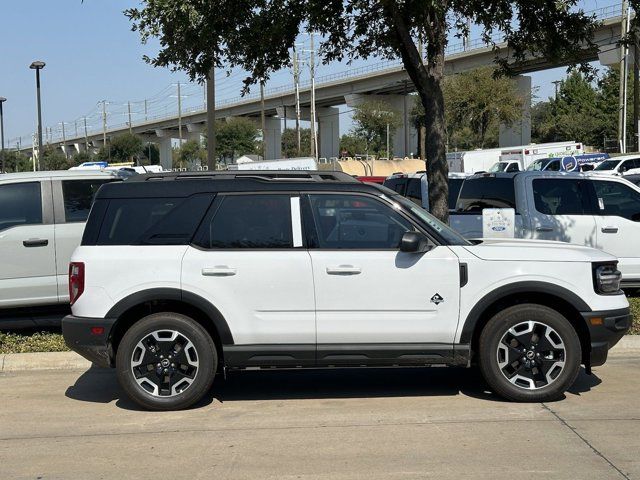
(333, 424)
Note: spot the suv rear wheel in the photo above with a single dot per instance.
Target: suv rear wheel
(529, 353)
(166, 361)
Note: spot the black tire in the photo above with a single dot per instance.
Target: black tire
(542, 386)
(198, 359)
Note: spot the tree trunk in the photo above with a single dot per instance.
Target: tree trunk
(427, 79)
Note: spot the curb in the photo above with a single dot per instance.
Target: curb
(17, 362)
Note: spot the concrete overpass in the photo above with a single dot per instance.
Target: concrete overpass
(387, 80)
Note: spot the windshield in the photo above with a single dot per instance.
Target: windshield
(450, 236)
(607, 165)
(537, 165)
(499, 167)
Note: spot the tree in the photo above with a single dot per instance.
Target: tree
(257, 36)
(372, 119)
(123, 148)
(235, 137)
(352, 145)
(55, 159)
(190, 153)
(151, 154)
(477, 102)
(16, 162)
(290, 143)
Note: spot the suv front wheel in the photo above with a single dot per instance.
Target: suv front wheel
(166, 361)
(529, 353)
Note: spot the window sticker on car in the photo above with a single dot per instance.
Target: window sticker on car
(600, 203)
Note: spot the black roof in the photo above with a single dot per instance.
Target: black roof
(184, 184)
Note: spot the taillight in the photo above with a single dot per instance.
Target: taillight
(76, 281)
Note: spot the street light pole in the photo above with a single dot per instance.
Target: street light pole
(2, 100)
(37, 66)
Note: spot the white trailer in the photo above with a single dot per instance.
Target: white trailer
(515, 159)
(302, 163)
(473, 161)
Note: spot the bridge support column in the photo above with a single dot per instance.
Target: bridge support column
(328, 132)
(166, 153)
(520, 132)
(405, 137)
(273, 136)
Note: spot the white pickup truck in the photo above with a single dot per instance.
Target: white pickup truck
(597, 211)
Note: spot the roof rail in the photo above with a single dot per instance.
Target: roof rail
(264, 175)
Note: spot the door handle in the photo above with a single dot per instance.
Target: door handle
(344, 270)
(544, 229)
(219, 271)
(35, 242)
(609, 229)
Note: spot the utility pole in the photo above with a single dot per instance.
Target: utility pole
(130, 125)
(179, 116)
(312, 67)
(388, 142)
(2, 100)
(75, 124)
(104, 123)
(64, 142)
(636, 86)
(296, 81)
(145, 109)
(622, 107)
(211, 119)
(86, 137)
(263, 121)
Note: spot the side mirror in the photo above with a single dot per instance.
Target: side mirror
(414, 242)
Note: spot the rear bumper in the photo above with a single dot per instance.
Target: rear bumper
(606, 328)
(83, 335)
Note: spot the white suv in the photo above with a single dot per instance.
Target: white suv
(42, 216)
(183, 275)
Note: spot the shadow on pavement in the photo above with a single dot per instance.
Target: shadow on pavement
(100, 385)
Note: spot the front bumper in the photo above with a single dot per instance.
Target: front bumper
(90, 337)
(606, 328)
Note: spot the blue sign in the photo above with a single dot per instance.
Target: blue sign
(569, 164)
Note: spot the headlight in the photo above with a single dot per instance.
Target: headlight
(606, 278)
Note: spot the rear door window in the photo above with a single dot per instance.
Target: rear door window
(78, 197)
(554, 196)
(455, 184)
(486, 192)
(398, 185)
(414, 190)
(617, 199)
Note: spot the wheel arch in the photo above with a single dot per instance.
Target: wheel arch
(553, 296)
(140, 304)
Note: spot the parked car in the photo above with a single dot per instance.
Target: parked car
(634, 178)
(617, 166)
(181, 275)
(597, 211)
(41, 223)
(414, 186)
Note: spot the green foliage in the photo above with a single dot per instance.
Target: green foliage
(151, 154)
(122, 148)
(54, 159)
(16, 162)
(352, 145)
(371, 120)
(477, 103)
(257, 36)
(236, 137)
(290, 143)
(584, 110)
(189, 155)
(36, 342)
(635, 311)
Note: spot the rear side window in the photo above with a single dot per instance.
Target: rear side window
(559, 196)
(486, 192)
(249, 221)
(152, 221)
(414, 191)
(455, 184)
(398, 185)
(20, 204)
(78, 197)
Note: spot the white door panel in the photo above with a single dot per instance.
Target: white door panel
(385, 296)
(28, 273)
(266, 296)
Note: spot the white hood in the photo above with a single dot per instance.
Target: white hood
(536, 251)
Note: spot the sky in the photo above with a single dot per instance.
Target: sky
(91, 55)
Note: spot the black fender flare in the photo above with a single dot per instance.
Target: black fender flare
(469, 325)
(175, 294)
